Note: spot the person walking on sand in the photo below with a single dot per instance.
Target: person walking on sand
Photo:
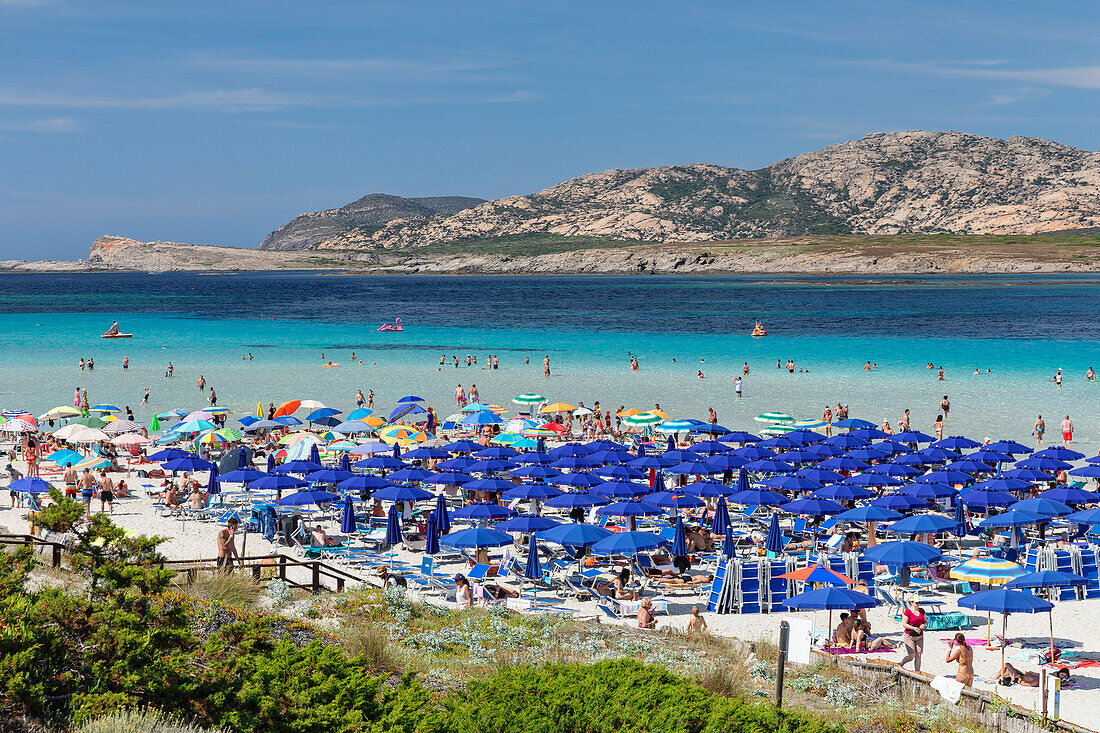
(737, 387)
(913, 622)
(87, 491)
(227, 545)
(360, 400)
(1067, 430)
(903, 421)
(1038, 430)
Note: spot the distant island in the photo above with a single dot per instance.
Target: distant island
(899, 202)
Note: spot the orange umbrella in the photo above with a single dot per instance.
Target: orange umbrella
(558, 407)
(627, 412)
(807, 571)
(288, 408)
(660, 413)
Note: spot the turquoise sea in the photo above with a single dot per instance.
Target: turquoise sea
(1022, 330)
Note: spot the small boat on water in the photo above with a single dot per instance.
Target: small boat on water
(114, 333)
(759, 330)
(395, 326)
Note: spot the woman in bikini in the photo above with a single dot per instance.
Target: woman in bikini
(962, 653)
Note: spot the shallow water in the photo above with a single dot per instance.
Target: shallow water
(1021, 330)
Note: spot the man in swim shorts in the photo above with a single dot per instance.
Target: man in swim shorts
(1067, 430)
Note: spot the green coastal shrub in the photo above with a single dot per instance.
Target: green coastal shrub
(619, 695)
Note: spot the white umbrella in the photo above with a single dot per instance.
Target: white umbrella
(312, 405)
(130, 439)
(66, 432)
(121, 426)
(88, 435)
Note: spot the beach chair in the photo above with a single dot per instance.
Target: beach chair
(480, 572)
(427, 568)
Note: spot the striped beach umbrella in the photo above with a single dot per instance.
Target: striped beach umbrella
(778, 429)
(529, 398)
(676, 426)
(18, 425)
(643, 419)
(774, 417)
(989, 570)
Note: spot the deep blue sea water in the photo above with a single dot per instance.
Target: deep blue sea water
(1021, 329)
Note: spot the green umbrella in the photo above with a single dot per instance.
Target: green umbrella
(530, 398)
(643, 419)
(230, 434)
(777, 430)
(774, 417)
(154, 424)
(91, 422)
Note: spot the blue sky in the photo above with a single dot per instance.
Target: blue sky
(213, 122)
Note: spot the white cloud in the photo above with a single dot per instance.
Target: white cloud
(226, 100)
(246, 100)
(52, 124)
(1078, 77)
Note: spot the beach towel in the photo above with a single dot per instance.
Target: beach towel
(1075, 665)
(837, 651)
(970, 642)
(950, 689)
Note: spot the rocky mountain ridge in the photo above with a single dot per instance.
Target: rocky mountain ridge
(883, 183)
(362, 216)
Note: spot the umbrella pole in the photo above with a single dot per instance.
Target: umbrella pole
(1050, 615)
(988, 625)
(1004, 631)
(829, 631)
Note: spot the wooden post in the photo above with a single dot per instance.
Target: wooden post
(56, 555)
(282, 568)
(316, 576)
(1043, 690)
(784, 630)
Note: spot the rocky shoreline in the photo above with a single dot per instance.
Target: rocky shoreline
(795, 256)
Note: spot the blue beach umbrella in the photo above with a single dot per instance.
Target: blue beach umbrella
(212, 486)
(852, 423)
(29, 485)
(1044, 463)
(574, 499)
(868, 514)
(347, 517)
(708, 488)
(482, 511)
(271, 464)
(523, 491)
(791, 483)
(956, 443)
(1061, 452)
(830, 598)
(1009, 446)
(306, 497)
(1090, 471)
(899, 502)
(321, 412)
(986, 499)
(576, 480)
(301, 467)
(843, 463)
(190, 463)
(533, 569)
(721, 517)
(380, 462)
(679, 539)
(1070, 495)
(738, 436)
(329, 476)
(164, 454)
(285, 420)
(402, 493)
(912, 436)
(476, 538)
(922, 524)
(628, 543)
(393, 526)
(622, 489)
(619, 472)
(1005, 601)
(274, 482)
(628, 509)
(769, 465)
(1043, 507)
(241, 476)
(773, 542)
(364, 483)
(1045, 579)
(1014, 518)
(812, 507)
(411, 474)
(574, 534)
(1028, 474)
(431, 535)
(758, 497)
(930, 492)
(442, 516)
(728, 545)
(902, 553)
(842, 492)
(819, 474)
(527, 523)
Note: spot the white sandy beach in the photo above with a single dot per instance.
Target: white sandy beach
(1073, 621)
